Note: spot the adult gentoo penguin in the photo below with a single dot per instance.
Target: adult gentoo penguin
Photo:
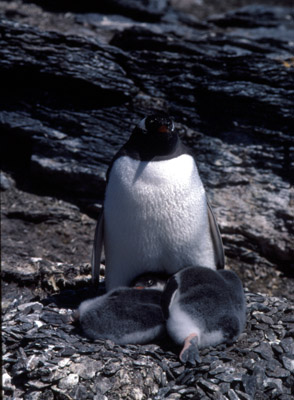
(203, 308)
(156, 217)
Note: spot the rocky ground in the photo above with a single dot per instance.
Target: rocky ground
(228, 81)
(45, 357)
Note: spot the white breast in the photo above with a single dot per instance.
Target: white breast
(155, 219)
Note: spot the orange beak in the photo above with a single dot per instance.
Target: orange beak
(163, 129)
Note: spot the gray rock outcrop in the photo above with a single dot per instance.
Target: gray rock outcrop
(69, 102)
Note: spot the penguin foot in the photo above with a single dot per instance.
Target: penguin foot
(190, 352)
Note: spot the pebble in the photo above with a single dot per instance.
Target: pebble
(69, 381)
(208, 385)
(216, 368)
(277, 349)
(265, 350)
(288, 363)
(6, 381)
(273, 383)
(249, 383)
(242, 395)
(26, 308)
(288, 345)
(232, 395)
(261, 317)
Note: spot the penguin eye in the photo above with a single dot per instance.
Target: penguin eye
(150, 282)
(172, 128)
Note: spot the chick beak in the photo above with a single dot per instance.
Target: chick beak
(163, 129)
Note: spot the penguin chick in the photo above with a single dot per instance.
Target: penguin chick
(156, 217)
(124, 315)
(203, 307)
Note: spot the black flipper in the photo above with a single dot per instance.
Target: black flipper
(97, 248)
(218, 247)
(171, 287)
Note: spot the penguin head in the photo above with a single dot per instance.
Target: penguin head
(154, 137)
(150, 281)
(157, 125)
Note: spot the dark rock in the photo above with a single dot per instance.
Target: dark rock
(285, 397)
(27, 308)
(108, 86)
(274, 369)
(277, 349)
(54, 318)
(264, 318)
(259, 375)
(217, 367)
(138, 9)
(288, 345)
(224, 387)
(278, 373)
(252, 17)
(289, 383)
(230, 375)
(242, 395)
(264, 349)
(228, 86)
(274, 385)
(5, 181)
(288, 362)
(186, 378)
(212, 388)
(249, 383)
(233, 395)
(289, 318)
